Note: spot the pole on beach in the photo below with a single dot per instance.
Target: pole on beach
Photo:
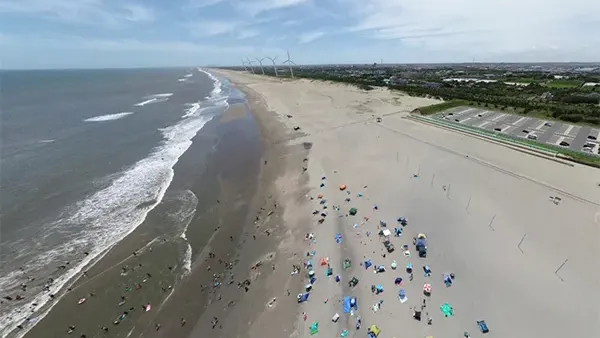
(418, 169)
(468, 203)
(521, 242)
(396, 157)
(560, 267)
(432, 178)
(491, 222)
(448, 191)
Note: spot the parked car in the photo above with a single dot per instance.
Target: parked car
(498, 129)
(564, 144)
(532, 136)
(591, 137)
(548, 124)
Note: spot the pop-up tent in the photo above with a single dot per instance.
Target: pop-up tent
(348, 303)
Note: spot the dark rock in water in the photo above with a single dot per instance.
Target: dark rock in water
(307, 145)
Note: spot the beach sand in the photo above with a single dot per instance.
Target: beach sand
(485, 209)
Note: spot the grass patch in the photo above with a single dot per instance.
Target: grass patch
(436, 108)
(563, 83)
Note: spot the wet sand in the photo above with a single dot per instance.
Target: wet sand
(224, 184)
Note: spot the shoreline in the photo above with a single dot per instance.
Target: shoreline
(151, 235)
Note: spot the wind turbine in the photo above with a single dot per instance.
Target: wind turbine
(250, 63)
(290, 63)
(274, 66)
(260, 63)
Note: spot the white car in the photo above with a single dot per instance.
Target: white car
(532, 136)
(588, 150)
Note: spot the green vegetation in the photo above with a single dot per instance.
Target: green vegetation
(545, 97)
(440, 107)
(564, 83)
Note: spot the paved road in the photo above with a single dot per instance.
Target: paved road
(550, 132)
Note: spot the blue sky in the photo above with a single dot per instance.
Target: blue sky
(136, 33)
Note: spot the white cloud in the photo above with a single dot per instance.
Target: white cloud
(247, 33)
(69, 42)
(203, 3)
(212, 28)
(311, 36)
(255, 7)
(484, 26)
(137, 13)
(80, 11)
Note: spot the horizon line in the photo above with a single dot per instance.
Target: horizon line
(316, 64)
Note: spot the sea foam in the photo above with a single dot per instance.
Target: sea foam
(109, 117)
(109, 215)
(154, 99)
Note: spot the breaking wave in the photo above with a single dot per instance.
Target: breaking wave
(109, 117)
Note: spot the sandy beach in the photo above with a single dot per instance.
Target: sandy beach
(521, 261)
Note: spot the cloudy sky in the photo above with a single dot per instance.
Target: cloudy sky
(141, 33)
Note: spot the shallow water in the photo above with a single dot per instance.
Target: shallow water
(71, 188)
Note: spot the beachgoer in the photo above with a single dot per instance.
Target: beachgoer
(157, 327)
(182, 322)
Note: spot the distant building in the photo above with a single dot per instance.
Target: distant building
(462, 79)
(546, 96)
(432, 84)
(591, 84)
(560, 77)
(398, 81)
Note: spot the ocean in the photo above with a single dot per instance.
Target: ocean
(85, 156)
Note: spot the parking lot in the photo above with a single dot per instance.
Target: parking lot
(578, 138)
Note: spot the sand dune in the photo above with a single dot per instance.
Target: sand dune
(486, 211)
